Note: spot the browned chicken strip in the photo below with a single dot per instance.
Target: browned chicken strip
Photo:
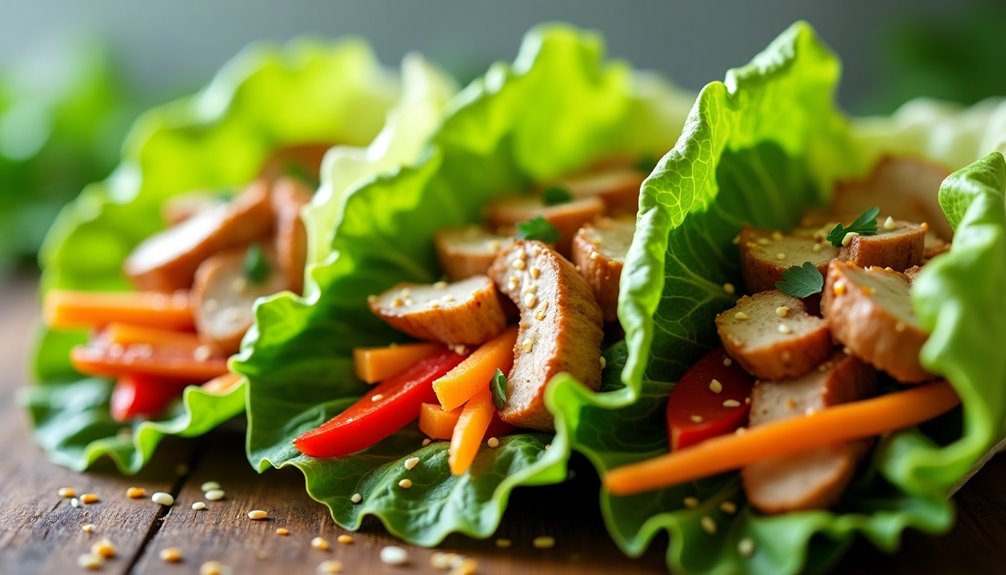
(468, 251)
(897, 244)
(177, 209)
(870, 312)
(567, 217)
(467, 312)
(814, 479)
(288, 197)
(167, 261)
(560, 329)
(617, 187)
(599, 252)
(766, 254)
(223, 297)
(772, 336)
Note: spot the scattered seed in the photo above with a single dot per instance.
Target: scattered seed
(356, 498)
(376, 397)
(198, 506)
(530, 300)
(729, 289)
(103, 548)
(543, 542)
(784, 329)
(782, 311)
(466, 566)
(816, 248)
(548, 446)
(90, 561)
(777, 235)
(847, 238)
(87, 528)
(780, 256)
(162, 498)
(441, 560)
(535, 273)
(74, 502)
(171, 555)
(740, 316)
(329, 566)
(440, 285)
(731, 403)
(214, 568)
(519, 264)
(727, 362)
(604, 362)
(392, 555)
(728, 507)
(839, 288)
(493, 442)
(136, 493)
(889, 223)
(740, 431)
(691, 502)
(405, 483)
(201, 353)
(89, 498)
(539, 315)
(763, 241)
(345, 539)
(746, 547)
(215, 494)
(696, 418)
(320, 543)
(67, 492)
(257, 515)
(715, 386)
(411, 463)
(282, 531)
(708, 525)
(503, 543)
(209, 486)
(427, 441)
(899, 327)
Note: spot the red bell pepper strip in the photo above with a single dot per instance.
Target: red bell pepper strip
(710, 399)
(137, 395)
(384, 410)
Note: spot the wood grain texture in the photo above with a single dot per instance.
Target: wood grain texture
(41, 533)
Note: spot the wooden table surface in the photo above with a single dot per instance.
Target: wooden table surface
(41, 533)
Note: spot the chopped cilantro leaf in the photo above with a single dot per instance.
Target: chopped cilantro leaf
(256, 265)
(538, 229)
(864, 225)
(498, 386)
(556, 195)
(801, 281)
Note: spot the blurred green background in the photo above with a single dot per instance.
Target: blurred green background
(73, 75)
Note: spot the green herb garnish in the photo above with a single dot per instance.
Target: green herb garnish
(256, 266)
(538, 229)
(299, 172)
(864, 225)
(556, 195)
(801, 281)
(646, 163)
(498, 386)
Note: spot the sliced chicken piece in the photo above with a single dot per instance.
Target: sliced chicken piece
(560, 329)
(772, 336)
(177, 209)
(817, 478)
(223, 296)
(897, 244)
(599, 252)
(618, 187)
(302, 161)
(468, 251)
(288, 197)
(870, 312)
(766, 254)
(467, 312)
(567, 217)
(933, 246)
(912, 273)
(901, 186)
(167, 261)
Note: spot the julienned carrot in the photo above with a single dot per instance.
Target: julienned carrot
(126, 334)
(437, 423)
(469, 431)
(72, 309)
(846, 422)
(473, 374)
(222, 384)
(104, 359)
(374, 364)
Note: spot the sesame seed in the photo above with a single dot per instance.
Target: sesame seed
(604, 362)
(215, 494)
(162, 498)
(539, 315)
(371, 299)
(89, 498)
(320, 543)
(729, 289)
(257, 515)
(740, 431)
(329, 566)
(503, 543)
(747, 400)
(763, 241)
(493, 442)
(392, 555)
(715, 386)
(406, 292)
(727, 362)
(728, 507)
(449, 298)
(777, 235)
(519, 264)
(535, 273)
(780, 256)
(746, 547)
(839, 288)
(527, 344)
(209, 486)
(548, 446)
(889, 223)
(736, 240)
(198, 506)
(411, 462)
(847, 238)
(521, 255)
(530, 300)
(376, 397)
(543, 542)
(136, 493)
(427, 441)
(441, 560)
(345, 539)
(405, 483)
(171, 555)
(440, 285)
(202, 353)
(691, 502)
(103, 548)
(513, 282)
(75, 502)
(809, 411)
(87, 528)
(696, 418)
(708, 525)
(66, 492)
(595, 255)
(899, 327)
(397, 302)
(782, 311)
(495, 245)
(731, 403)
(90, 561)
(214, 568)
(740, 316)
(356, 498)
(815, 248)
(784, 329)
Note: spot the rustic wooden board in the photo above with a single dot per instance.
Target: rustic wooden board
(41, 533)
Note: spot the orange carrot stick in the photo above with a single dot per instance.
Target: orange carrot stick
(437, 423)
(126, 334)
(71, 309)
(473, 374)
(846, 422)
(104, 359)
(469, 431)
(374, 364)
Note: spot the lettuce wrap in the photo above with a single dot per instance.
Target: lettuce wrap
(559, 106)
(761, 148)
(266, 99)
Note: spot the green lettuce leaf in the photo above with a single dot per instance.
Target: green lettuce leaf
(559, 106)
(762, 148)
(266, 98)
